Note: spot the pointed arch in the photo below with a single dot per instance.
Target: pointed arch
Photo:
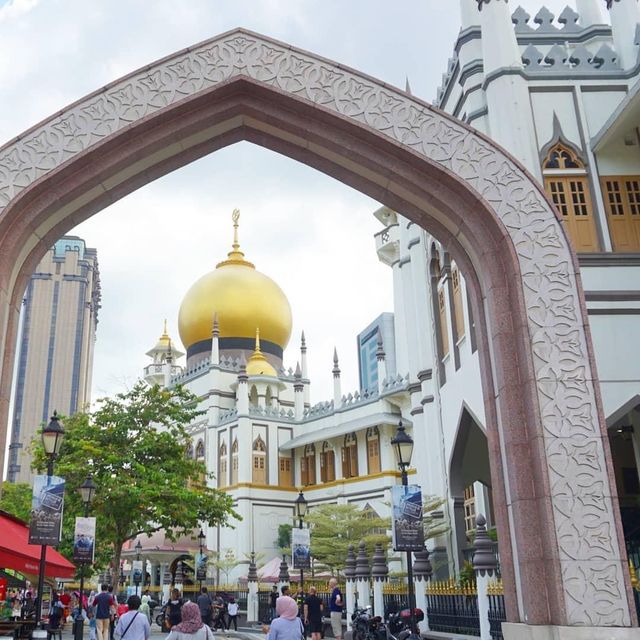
(327, 463)
(373, 450)
(234, 461)
(350, 456)
(259, 461)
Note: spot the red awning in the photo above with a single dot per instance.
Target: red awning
(16, 553)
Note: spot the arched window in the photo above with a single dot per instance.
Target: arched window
(373, 450)
(622, 203)
(189, 451)
(458, 309)
(259, 459)
(566, 182)
(200, 450)
(350, 456)
(223, 465)
(308, 465)
(469, 511)
(253, 396)
(268, 398)
(444, 325)
(234, 462)
(327, 463)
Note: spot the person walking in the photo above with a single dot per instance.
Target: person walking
(336, 605)
(173, 615)
(287, 626)
(133, 625)
(232, 612)
(206, 606)
(273, 597)
(103, 603)
(219, 621)
(144, 608)
(313, 614)
(192, 627)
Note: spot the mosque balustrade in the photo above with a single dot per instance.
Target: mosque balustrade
(394, 384)
(193, 372)
(227, 416)
(280, 414)
(159, 369)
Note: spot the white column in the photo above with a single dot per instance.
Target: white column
(242, 392)
(350, 597)
(298, 394)
(378, 598)
(252, 602)
(364, 593)
(482, 582)
(420, 587)
(625, 16)
(215, 342)
(337, 389)
(468, 14)
(590, 12)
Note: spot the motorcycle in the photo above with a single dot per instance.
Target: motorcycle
(399, 623)
(366, 626)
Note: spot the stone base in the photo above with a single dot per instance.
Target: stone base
(518, 631)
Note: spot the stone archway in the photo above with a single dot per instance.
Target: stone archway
(563, 561)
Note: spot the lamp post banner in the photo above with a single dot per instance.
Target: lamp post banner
(201, 566)
(84, 540)
(301, 548)
(407, 532)
(47, 503)
(137, 570)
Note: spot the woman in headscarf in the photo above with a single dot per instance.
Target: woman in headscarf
(144, 608)
(191, 627)
(287, 626)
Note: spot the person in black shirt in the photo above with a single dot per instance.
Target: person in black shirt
(313, 614)
(273, 597)
(173, 612)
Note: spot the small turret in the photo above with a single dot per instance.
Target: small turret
(298, 389)
(242, 390)
(215, 341)
(625, 16)
(337, 389)
(590, 12)
(382, 362)
(164, 349)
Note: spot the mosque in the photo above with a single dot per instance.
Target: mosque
(562, 95)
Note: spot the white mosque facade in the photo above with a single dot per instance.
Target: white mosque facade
(563, 96)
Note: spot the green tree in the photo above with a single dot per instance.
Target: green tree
(284, 537)
(225, 562)
(335, 526)
(15, 498)
(134, 446)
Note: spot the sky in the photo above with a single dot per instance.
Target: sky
(310, 233)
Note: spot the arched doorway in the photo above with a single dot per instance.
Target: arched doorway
(561, 552)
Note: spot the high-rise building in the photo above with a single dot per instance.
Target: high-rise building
(368, 346)
(55, 347)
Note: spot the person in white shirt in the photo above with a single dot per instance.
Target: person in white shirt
(232, 612)
(133, 625)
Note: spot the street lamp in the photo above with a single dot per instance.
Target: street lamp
(301, 512)
(201, 539)
(137, 573)
(52, 436)
(402, 442)
(87, 491)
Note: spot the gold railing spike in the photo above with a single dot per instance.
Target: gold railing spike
(633, 575)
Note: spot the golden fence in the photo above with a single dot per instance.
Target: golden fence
(451, 587)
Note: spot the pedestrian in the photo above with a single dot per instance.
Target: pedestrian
(313, 614)
(273, 597)
(300, 600)
(218, 613)
(113, 612)
(192, 627)
(172, 615)
(287, 626)
(144, 608)
(232, 611)
(336, 604)
(92, 624)
(206, 606)
(133, 625)
(103, 603)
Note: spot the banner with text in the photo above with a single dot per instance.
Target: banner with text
(84, 540)
(47, 503)
(301, 548)
(407, 529)
(201, 566)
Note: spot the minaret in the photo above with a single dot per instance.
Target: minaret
(625, 16)
(305, 371)
(337, 391)
(164, 350)
(382, 362)
(215, 341)
(298, 388)
(510, 115)
(242, 390)
(469, 14)
(167, 366)
(590, 12)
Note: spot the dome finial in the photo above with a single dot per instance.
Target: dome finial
(258, 340)
(258, 365)
(164, 332)
(235, 256)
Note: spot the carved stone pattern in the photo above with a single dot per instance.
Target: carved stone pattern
(587, 543)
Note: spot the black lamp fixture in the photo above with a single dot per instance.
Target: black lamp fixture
(87, 491)
(301, 507)
(201, 539)
(403, 444)
(52, 437)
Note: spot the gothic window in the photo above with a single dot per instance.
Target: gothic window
(253, 396)
(469, 510)
(458, 309)
(327, 463)
(259, 459)
(350, 456)
(444, 328)
(566, 182)
(373, 450)
(189, 452)
(200, 450)
(234, 462)
(222, 465)
(268, 397)
(622, 203)
(308, 465)
(284, 472)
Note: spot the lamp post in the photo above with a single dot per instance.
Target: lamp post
(137, 572)
(201, 539)
(86, 490)
(52, 436)
(402, 442)
(301, 512)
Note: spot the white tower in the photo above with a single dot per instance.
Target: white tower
(156, 372)
(625, 16)
(590, 12)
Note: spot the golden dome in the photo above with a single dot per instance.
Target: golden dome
(258, 365)
(243, 299)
